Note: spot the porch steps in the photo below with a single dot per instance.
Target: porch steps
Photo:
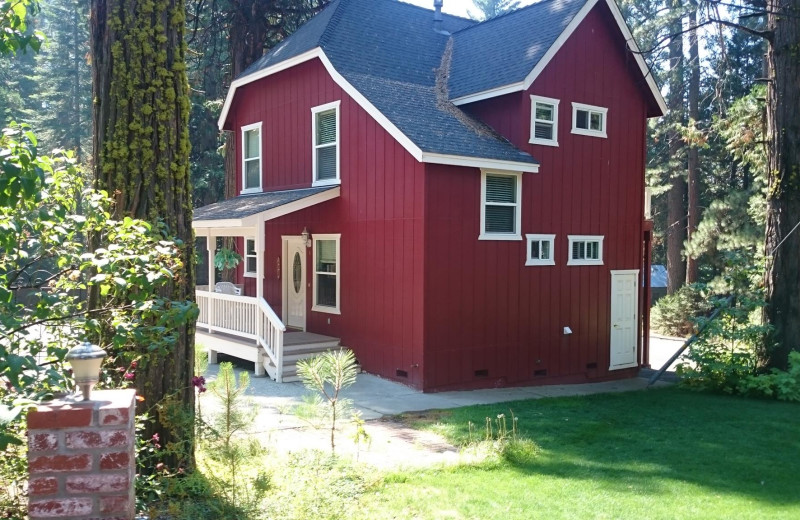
(297, 346)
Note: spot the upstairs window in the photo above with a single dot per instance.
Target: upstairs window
(500, 206)
(585, 250)
(250, 258)
(326, 144)
(544, 121)
(251, 158)
(326, 273)
(540, 250)
(589, 120)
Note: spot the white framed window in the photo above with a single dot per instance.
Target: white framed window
(501, 210)
(544, 121)
(251, 158)
(325, 139)
(585, 250)
(250, 258)
(589, 120)
(540, 250)
(327, 278)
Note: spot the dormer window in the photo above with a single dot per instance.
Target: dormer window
(544, 121)
(589, 120)
(326, 144)
(251, 158)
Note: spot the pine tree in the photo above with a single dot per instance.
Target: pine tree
(493, 8)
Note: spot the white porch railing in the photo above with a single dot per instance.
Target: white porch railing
(245, 317)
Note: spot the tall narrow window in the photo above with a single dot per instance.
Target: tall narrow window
(251, 158)
(544, 121)
(326, 144)
(589, 120)
(326, 273)
(250, 257)
(500, 206)
(585, 250)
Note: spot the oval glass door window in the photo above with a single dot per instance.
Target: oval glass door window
(297, 272)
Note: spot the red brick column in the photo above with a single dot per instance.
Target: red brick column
(81, 457)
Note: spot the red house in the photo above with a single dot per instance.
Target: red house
(462, 204)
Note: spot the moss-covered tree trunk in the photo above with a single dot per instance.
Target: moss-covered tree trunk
(783, 200)
(141, 157)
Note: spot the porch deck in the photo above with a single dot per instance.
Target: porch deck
(296, 346)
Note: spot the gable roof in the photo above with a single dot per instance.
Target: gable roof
(386, 55)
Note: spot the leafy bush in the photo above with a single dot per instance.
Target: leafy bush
(676, 314)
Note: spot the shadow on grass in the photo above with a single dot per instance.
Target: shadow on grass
(647, 440)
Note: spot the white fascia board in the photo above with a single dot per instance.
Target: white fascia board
(488, 94)
(221, 223)
(477, 162)
(291, 207)
(302, 58)
(351, 91)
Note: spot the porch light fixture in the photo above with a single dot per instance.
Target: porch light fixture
(85, 360)
(306, 236)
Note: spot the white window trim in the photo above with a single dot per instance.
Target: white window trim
(554, 122)
(314, 111)
(259, 189)
(539, 238)
(585, 238)
(517, 214)
(250, 274)
(586, 131)
(324, 308)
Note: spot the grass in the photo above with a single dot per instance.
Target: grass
(667, 454)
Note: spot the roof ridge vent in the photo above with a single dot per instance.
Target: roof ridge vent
(437, 17)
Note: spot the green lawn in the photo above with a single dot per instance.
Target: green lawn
(657, 454)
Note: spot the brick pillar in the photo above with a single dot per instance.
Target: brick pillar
(81, 457)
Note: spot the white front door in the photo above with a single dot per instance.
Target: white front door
(294, 283)
(624, 317)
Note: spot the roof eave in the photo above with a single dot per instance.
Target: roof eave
(480, 162)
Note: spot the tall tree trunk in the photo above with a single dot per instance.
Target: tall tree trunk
(692, 173)
(77, 130)
(676, 198)
(141, 156)
(783, 199)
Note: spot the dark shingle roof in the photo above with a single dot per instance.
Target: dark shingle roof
(248, 205)
(390, 53)
(505, 50)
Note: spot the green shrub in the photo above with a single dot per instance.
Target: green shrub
(676, 314)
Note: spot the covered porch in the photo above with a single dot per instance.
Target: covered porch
(246, 326)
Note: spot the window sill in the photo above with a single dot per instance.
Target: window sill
(250, 275)
(327, 310)
(251, 190)
(589, 133)
(585, 262)
(543, 142)
(499, 236)
(540, 262)
(327, 182)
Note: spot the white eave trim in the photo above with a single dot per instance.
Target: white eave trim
(556, 46)
(222, 223)
(477, 162)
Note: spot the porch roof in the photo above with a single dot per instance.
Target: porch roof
(244, 212)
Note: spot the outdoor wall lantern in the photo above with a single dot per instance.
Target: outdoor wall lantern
(306, 236)
(85, 360)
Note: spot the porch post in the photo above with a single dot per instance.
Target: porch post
(260, 230)
(211, 246)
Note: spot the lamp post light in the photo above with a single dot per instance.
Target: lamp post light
(85, 360)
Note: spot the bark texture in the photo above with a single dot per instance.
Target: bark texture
(783, 199)
(676, 198)
(693, 159)
(141, 157)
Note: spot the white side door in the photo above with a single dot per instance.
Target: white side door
(624, 317)
(294, 283)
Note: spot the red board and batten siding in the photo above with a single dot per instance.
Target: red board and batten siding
(379, 215)
(486, 310)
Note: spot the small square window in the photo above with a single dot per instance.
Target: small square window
(589, 120)
(585, 250)
(544, 121)
(540, 250)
